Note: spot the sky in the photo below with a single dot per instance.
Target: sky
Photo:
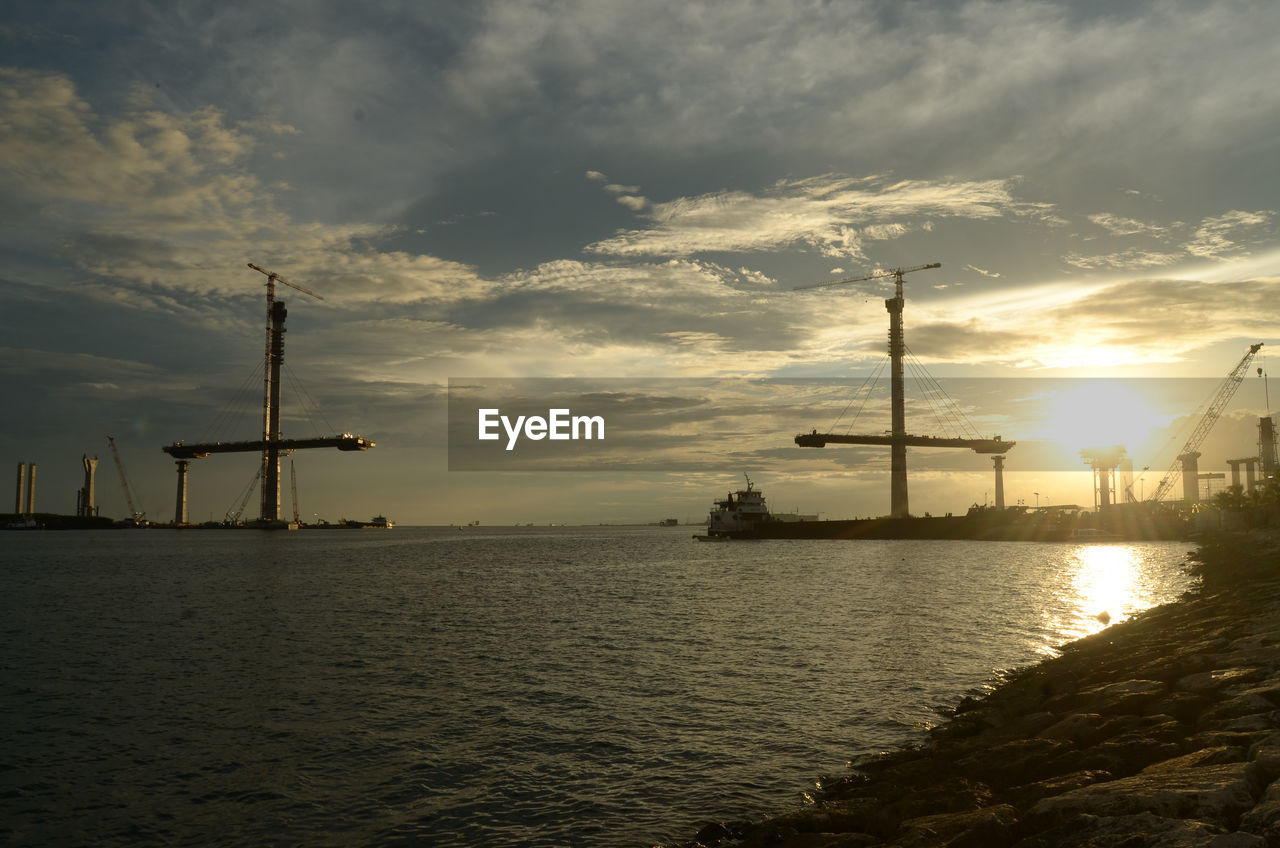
(613, 192)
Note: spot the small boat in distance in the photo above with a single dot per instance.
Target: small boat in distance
(379, 522)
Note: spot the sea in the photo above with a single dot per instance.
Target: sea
(556, 686)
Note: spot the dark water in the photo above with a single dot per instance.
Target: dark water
(555, 687)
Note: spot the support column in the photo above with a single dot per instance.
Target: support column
(22, 487)
(180, 502)
(899, 506)
(271, 453)
(85, 508)
(31, 489)
(1235, 472)
(1190, 477)
(998, 462)
(1105, 475)
(1267, 446)
(1251, 474)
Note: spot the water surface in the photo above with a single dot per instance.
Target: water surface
(536, 687)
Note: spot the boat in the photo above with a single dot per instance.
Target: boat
(740, 515)
(744, 514)
(379, 522)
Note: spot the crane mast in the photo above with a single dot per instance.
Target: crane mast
(271, 392)
(1221, 398)
(898, 440)
(124, 481)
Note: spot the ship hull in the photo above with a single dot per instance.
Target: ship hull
(989, 527)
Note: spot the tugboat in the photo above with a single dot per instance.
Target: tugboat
(741, 514)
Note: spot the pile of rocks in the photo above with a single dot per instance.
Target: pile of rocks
(1160, 731)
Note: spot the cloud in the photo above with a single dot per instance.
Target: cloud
(1223, 234)
(1216, 237)
(1136, 321)
(1120, 226)
(1131, 258)
(834, 213)
(166, 200)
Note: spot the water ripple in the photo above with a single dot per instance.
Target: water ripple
(602, 687)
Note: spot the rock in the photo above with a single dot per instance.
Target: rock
(1264, 821)
(1266, 756)
(1237, 707)
(1256, 723)
(713, 834)
(1141, 830)
(1217, 738)
(1185, 707)
(1204, 757)
(1215, 794)
(991, 826)
(954, 795)
(1076, 728)
(1128, 754)
(1018, 762)
(1027, 795)
(1129, 696)
(1210, 681)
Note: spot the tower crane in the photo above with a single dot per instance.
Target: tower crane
(271, 392)
(891, 272)
(898, 439)
(1214, 411)
(124, 482)
(233, 515)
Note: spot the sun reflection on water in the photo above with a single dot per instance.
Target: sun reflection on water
(1105, 584)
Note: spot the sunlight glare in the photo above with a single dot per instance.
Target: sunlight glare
(1095, 413)
(1106, 581)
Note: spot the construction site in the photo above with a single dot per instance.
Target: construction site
(1185, 499)
(1110, 517)
(271, 447)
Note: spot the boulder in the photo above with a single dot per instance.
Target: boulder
(1264, 819)
(1241, 705)
(1204, 757)
(1018, 762)
(1266, 756)
(1211, 681)
(1215, 794)
(1141, 830)
(1076, 728)
(1027, 795)
(1125, 697)
(991, 826)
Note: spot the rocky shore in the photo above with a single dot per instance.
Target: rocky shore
(1163, 730)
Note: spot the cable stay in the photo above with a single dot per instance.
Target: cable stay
(223, 425)
(310, 407)
(864, 391)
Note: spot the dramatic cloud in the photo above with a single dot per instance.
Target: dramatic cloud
(833, 213)
(165, 200)
(598, 187)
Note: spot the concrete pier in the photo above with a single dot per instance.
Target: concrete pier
(180, 501)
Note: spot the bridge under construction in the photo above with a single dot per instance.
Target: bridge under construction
(898, 439)
(272, 444)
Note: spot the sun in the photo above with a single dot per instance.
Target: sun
(1089, 413)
